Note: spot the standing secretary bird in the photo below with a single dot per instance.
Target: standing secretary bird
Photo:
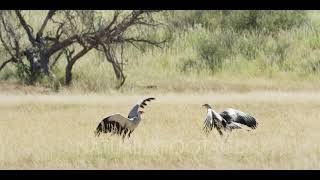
(229, 119)
(120, 125)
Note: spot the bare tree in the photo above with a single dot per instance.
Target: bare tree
(72, 34)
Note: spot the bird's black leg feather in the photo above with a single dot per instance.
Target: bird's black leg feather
(125, 131)
(129, 133)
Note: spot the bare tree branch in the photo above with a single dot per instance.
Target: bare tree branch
(8, 46)
(125, 23)
(61, 45)
(25, 26)
(69, 54)
(56, 59)
(59, 30)
(48, 17)
(71, 61)
(71, 31)
(80, 54)
(5, 45)
(154, 43)
(149, 24)
(11, 35)
(115, 17)
(6, 62)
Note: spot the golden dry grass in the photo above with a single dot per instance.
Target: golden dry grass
(56, 132)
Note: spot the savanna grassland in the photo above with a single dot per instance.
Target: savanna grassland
(268, 68)
(56, 132)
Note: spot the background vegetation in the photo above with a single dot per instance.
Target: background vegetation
(209, 49)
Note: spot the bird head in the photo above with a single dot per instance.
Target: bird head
(141, 112)
(207, 106)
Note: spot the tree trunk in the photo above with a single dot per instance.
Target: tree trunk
(116, 70)
(69, 72)
(34, 69)
(71, 63)
(44, 61)
(119, 74)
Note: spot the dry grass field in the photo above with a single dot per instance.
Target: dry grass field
(57, 132)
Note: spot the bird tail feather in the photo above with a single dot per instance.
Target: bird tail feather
(98, 130)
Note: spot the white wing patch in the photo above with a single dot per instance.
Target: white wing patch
(216, 115)
(231, 112)
(240, 113)
(235, 125)
(209, 117)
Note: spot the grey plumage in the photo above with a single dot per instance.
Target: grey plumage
(229, 119)
(213, 120)
(120, 125)
(233, 125)
(234, 115)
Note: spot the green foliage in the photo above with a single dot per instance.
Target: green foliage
(249, 45)
(190, 65)
(266, 21)
(215, 48)
(314, 67)
(203, 44)
(184, 20)
(23, 73)
(232, 34)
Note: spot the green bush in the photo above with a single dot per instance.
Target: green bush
(249, 45)
(215, 48)
(190, 65)
(23, 73)
(266, 21)
(183, 20)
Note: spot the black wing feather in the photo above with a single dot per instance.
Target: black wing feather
(107, 125)
(207, 127)
(226, 116)
(248, 121)
(144, 102)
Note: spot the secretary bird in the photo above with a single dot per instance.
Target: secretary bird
(229, 119)
(120, 125)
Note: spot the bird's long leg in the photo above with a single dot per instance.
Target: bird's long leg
(117, 130)
(129, 133)
(220, 132)
(121, 130)
(113, 130)
(218, 127)
(108, 128)
(103, 128)
(228, 134)
(124, 134)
